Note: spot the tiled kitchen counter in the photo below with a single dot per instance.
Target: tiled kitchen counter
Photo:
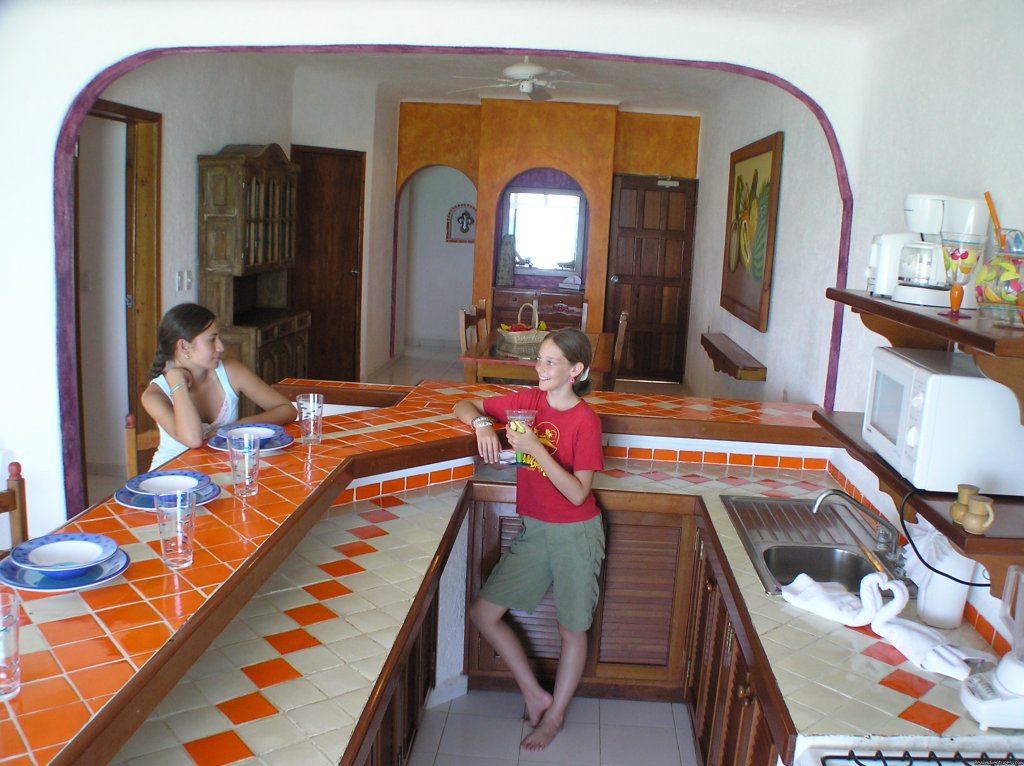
(329, 611)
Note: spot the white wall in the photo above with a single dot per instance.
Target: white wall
(440, 273)
(795, 347)
(101, 274)
(887, 91)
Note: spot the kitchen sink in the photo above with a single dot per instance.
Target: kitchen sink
(820, 563)
(783, 538)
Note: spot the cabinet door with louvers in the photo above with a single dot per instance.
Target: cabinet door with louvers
(637, 642)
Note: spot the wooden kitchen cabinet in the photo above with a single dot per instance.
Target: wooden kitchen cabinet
(638, 640)
(247, 200)
(728, 701)
(557, 309)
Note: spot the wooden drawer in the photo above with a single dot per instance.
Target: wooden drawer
(559, 302)
(513, 299)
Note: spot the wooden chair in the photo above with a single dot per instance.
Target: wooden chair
(618, 351)
(12, 503)
(472, 328)
(134, 443)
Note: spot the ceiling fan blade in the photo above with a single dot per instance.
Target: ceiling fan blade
(556, 83)
(480, 87)
(539, 93)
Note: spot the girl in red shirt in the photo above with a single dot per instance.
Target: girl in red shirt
(562, 542)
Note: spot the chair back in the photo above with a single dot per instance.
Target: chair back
(136, 442)
(472, 328)
(618, 351)
(12, 504)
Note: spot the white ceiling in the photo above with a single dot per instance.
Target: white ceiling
(668, 88)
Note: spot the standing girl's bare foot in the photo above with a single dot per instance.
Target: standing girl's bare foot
(542, 735)
(536, 706)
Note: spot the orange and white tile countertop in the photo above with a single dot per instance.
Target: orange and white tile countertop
(286, 680)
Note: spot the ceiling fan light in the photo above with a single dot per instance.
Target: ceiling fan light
(526, 86)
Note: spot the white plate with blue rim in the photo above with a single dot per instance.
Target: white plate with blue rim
(155, 482)
(65, 555)
(274, 444)
(144, 502)
(28, 579)
(265, 432)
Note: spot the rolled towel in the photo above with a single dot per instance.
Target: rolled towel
(832, 601)
(923, 646)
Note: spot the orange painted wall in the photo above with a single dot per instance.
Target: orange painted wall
(438, 134)
(494, 142)
(656, 144)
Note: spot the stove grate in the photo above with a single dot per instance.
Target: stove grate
(906, 759)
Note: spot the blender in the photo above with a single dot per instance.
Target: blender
(921, 271)
(996, 697)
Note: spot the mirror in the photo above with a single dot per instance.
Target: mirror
(545, 212)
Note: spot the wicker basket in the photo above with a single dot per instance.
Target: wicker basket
(516, 338)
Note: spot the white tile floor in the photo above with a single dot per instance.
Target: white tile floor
(485, 729)
(441, 362)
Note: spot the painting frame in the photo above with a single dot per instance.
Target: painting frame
(461, 223)
(751, 215)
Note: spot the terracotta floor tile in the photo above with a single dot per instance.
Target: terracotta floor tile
(886, 653)
(358, 548)
(87, 654)
(341, 568)
(930, 717)
(102, 680)
(907, 683)
(130, 616)
(388, 501)
(55, 725)
(248, 708)
(327, 589)
(219, 749)
(367, 533)
(271, 672)
(378, 517)
(37, 665)
(70, 630)
(143, 639)
(40, 695)
(310, 614)
(291, 641)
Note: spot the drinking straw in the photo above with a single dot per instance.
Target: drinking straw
(995, 221)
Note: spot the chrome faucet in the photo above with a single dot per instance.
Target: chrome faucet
(887, 536)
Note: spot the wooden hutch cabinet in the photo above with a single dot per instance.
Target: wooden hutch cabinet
(246, 217)
(557, 309)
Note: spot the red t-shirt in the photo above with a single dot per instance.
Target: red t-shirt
(573, 437)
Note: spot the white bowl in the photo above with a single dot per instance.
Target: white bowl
(262, 431)
(64, 556)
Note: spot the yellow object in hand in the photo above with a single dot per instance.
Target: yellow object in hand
(518, 427)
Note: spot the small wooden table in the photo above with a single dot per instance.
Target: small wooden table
(489, 360)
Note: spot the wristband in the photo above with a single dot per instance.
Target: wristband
(175, 387)
(481, 420)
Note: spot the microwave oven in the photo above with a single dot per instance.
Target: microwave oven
(936, 419)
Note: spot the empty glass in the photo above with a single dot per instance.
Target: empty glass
(311, 417)
(176, 519)
(10, 658)
(244, 453)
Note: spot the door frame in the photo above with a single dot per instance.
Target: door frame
(142, 277)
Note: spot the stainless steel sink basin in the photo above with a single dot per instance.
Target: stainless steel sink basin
(820, 563)
(783, 538)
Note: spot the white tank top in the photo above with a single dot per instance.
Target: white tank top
(171, 447)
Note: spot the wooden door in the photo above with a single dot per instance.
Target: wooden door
(650, 261)
(327, 277)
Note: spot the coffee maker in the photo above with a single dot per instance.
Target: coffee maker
(909, 266)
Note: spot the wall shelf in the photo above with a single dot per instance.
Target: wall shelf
(1000, 546)
(731, 358)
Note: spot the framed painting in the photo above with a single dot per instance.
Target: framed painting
(754, 175)
(461, 224)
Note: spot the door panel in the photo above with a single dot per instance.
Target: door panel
(327, 276)
(649, 271)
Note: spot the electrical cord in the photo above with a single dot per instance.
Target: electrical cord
(906, 531)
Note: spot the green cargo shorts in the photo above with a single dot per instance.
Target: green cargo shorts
(566, 555)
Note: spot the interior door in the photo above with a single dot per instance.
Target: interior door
(650, 262)
(327, 276)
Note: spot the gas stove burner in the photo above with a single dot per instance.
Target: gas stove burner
(906, 759)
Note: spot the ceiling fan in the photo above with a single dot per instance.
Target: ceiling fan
(533, 80)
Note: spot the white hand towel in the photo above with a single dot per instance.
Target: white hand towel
(923, 646)
(832, 601)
